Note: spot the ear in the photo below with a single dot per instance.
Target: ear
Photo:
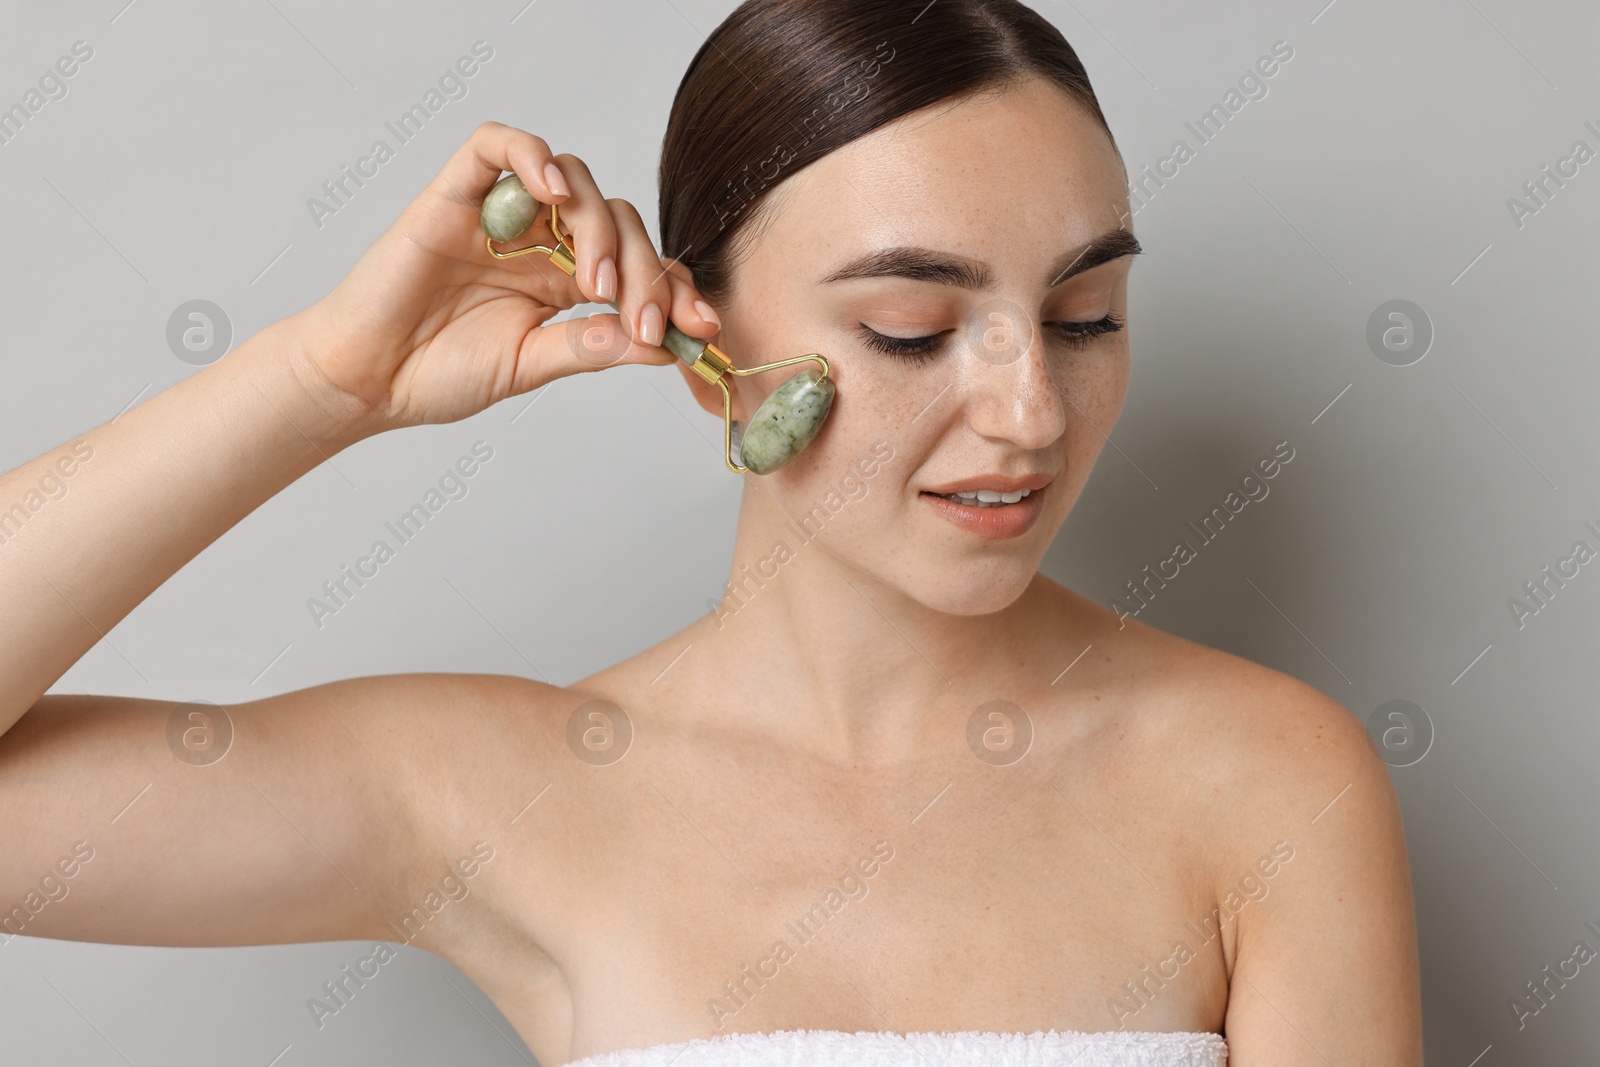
(708, 396)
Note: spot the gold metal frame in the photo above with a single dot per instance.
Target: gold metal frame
(713, 364)
(561, 255)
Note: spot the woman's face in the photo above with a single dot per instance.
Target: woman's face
(957, 269)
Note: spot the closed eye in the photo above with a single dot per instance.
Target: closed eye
(917, 349)
(1082, 334)
(1075, 335)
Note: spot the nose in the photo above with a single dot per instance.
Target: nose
(1012, 394)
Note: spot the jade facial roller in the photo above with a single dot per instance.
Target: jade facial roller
(787, 419)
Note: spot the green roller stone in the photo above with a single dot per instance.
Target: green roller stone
(786, 422)
(508, 210)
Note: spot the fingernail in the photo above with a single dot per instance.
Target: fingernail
(705, 311)
(553, 178)
(650, 325)
(605, 279)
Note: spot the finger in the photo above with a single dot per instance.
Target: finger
(645, 294)
(691, 312)
(577, 346)
(492, 149)
(594, 233)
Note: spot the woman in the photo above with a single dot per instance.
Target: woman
(900, 797)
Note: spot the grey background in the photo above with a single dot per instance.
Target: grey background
(1377, 167)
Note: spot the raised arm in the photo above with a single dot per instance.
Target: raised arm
(425, 328)
(318, 823)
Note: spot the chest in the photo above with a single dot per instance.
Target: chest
(689, 897)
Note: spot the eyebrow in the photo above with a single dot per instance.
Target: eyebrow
(948, 268)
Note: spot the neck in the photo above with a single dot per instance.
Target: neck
(834, 660)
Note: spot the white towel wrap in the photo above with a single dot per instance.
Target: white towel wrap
(836, 1048)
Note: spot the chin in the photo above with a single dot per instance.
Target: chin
(980, 587)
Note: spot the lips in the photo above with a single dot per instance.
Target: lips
(993, 522)
(1001, 483)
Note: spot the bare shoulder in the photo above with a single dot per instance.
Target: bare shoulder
(1274, 749)
(1304, 840)
(414, 719)
(443, 736)
(441, 762)
(442, 706)
(1251, 756)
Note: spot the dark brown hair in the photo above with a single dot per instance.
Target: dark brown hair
(781, 83)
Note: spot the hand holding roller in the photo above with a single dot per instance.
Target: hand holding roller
(787, 420)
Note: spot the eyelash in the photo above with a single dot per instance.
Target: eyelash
(922, 349)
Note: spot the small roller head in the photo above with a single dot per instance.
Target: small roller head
(508, 210)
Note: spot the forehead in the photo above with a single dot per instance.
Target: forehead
(1026, 170)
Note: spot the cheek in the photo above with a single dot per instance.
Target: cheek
(868, 406)
(1093, 386)
(886, 411)
(857, 466)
